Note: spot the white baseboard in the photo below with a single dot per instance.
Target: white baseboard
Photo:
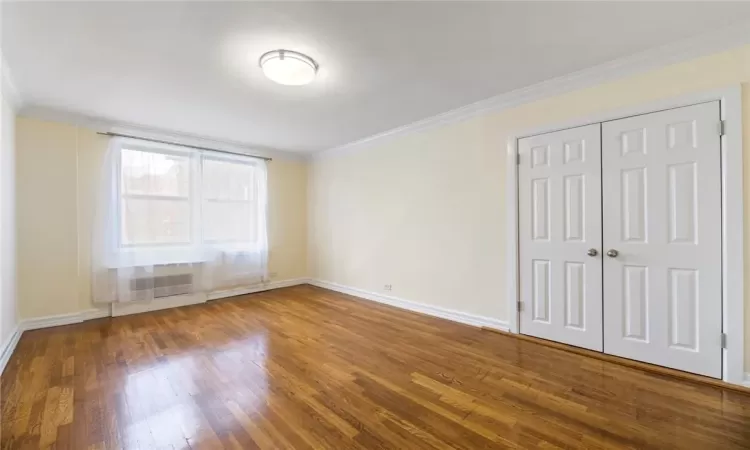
(50, 321)
(9, 346)
(123, 309)
(170, 302)
(64, 319)
(96, 313)
(747, 380)
(175, 301)
(260, 288)
(435, 311)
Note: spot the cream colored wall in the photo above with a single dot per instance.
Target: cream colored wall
(426, 212)
(57, 167)
(46, 186)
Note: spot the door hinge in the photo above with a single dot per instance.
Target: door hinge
(723, 340)
(722, 127)
(518, 159)
(519, 306)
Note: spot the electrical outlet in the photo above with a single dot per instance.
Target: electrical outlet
(388, 287)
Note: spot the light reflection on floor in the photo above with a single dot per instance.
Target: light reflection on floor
(180, 403)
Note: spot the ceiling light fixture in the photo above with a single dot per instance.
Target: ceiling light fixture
(288, 67)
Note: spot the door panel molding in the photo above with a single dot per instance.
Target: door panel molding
(732, 211)
(560, 222)
(668, 270)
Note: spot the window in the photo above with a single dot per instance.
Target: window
(154, 198)
(177, 204)
(230, 200)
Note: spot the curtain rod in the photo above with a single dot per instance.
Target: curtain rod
(182, 145)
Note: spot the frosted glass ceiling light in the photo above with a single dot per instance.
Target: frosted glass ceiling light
(288, 67)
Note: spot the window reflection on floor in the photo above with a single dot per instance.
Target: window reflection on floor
(181, 402)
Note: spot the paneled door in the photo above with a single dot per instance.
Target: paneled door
(560, 261)
(661, 180)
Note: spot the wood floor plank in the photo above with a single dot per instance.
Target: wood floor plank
(304, 367)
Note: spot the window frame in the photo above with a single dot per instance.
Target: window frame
(195, 200)
(215, 156)
(158, 149)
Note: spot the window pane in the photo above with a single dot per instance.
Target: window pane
(230, 221)
(155, 221)
(227, 180)
(154, 174)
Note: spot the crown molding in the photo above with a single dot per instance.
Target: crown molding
(9, 91)
(12, 95)
(702, 45)
(107, 125)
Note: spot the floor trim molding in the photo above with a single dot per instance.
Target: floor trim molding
(57, 320)
(51, 321)
(435, 311)
(96, 313)
(638, 365)
(157, 304)
(260, 288)
(106, 310)
(9, 346)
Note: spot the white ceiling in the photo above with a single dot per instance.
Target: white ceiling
(191, 67)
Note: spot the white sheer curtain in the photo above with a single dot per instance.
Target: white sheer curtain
(176, 221)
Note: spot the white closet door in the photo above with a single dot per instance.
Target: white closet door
(559, 224)
(662, 215)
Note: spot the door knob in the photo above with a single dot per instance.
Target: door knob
(612, 253)
(592, 252)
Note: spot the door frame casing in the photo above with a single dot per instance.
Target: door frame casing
(732, 207)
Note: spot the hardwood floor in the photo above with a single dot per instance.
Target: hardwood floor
(303, 367)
